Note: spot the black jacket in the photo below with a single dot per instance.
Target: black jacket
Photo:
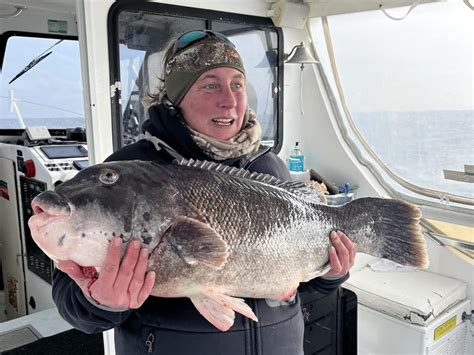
(173, 326)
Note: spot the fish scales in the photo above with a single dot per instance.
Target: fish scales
(256, 248)
(216, 233)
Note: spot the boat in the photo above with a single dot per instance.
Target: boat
(377, 94)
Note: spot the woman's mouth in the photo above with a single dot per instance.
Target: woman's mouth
(223, 121)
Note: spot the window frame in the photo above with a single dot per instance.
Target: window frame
(208, 16)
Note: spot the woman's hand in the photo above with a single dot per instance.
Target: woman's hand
(121, 285)
(341, 254)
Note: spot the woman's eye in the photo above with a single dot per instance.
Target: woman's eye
(211, 86)
(108, 176)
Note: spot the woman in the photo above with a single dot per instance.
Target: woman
(201, 113)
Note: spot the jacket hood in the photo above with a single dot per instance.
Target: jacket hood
(168, 125)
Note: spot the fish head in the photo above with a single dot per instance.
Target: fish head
(77, 220)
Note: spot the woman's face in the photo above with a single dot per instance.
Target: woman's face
(216, 103)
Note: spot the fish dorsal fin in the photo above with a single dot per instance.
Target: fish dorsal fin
(297, 188)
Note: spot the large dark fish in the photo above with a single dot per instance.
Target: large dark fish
(216, 233)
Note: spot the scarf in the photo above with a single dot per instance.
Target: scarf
(245, 142)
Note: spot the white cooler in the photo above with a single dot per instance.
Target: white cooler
(410, 312)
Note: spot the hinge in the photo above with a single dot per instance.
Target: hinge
(469, 317)
(115, 88)
(275, 90)
(463, 176)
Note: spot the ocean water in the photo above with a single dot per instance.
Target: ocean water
(415, 145)
(55, 122)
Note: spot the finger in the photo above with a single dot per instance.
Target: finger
(68, 266)
(73, 270)
(341, 250)
(147, 288)
(109, 270)
(350, 247)
(63, 264)
(336, 266)
(127, 267)
(138, 278)
(76, 273)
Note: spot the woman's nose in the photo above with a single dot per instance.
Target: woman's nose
(227, 98)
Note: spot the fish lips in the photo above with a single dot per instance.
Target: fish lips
(48, 206)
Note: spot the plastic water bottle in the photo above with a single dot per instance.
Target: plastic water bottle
(296, 159)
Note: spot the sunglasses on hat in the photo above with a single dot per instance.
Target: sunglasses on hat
(191, 37)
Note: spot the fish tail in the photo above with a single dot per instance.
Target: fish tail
(386, 228)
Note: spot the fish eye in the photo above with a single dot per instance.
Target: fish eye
(108, 176)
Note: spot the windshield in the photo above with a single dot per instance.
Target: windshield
(48, 94)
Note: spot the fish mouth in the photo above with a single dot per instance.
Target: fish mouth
(48, 206)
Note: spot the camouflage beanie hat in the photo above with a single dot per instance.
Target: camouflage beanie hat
(186, 66)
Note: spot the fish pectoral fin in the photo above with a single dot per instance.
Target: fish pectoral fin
(219, 309)
(196, 242)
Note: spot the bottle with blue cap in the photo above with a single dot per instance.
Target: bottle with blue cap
(296, 159)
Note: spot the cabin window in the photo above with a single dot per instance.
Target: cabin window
(142, 33)
(406, 92)
(50, 92)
